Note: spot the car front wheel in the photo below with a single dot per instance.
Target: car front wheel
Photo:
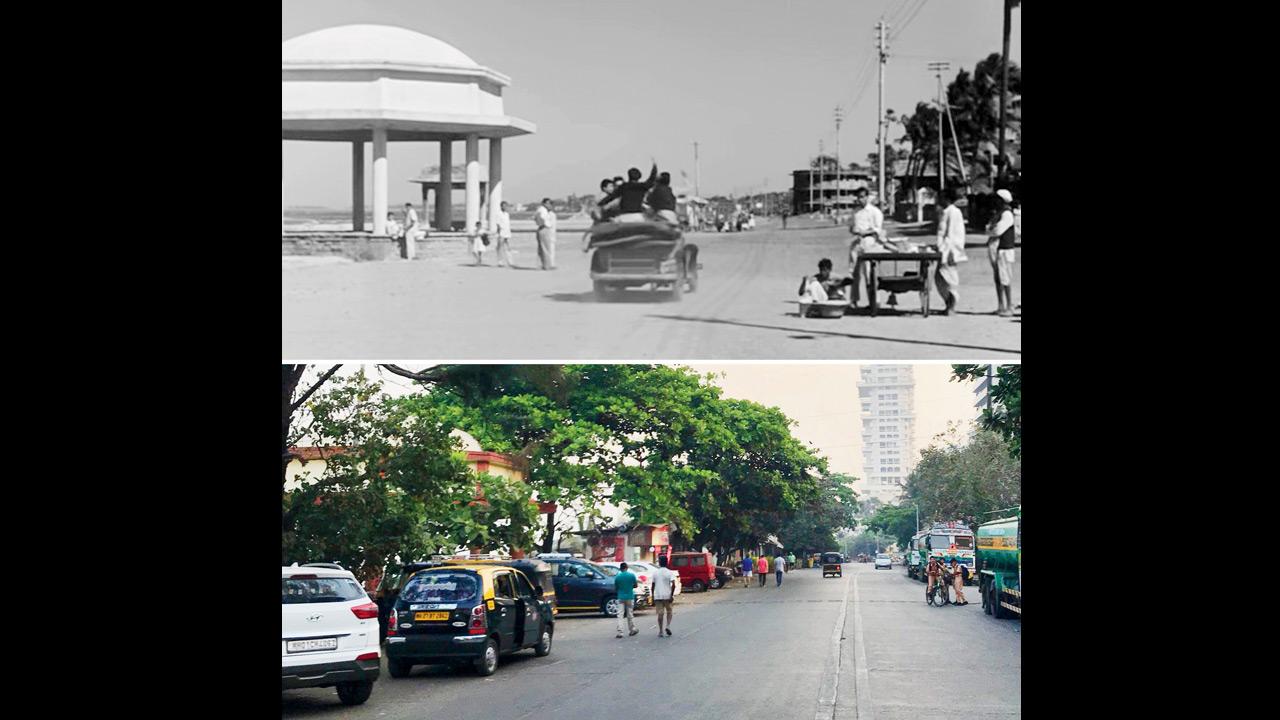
(543, 648)
(487, 663)
(611, 607)
(354, 693)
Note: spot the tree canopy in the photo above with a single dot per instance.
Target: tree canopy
(1005, 414)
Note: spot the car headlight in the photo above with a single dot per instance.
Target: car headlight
(667, 266)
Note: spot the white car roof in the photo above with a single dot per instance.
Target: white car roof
(317, 571)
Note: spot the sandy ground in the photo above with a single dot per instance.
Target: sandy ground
(442, 307)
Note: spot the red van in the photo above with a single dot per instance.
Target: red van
(696, 569)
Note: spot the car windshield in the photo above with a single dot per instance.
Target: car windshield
(317, 590)
(882, 556)
(438, 587)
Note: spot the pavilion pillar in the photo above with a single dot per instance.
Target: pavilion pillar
(379, 181)
(495, 178)
(357, 186)
(473, 180)
(444, 188)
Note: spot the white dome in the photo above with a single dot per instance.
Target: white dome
(372, 43)
(469, 443)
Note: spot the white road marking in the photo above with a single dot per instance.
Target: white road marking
(829, 687)
(862, 680)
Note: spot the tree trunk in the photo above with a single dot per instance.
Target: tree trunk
(549, 540)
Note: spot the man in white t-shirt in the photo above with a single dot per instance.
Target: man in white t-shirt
(867, 229)
(664, 590)
(779, 567)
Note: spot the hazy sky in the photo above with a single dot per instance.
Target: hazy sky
(822, 398)
(611, 83)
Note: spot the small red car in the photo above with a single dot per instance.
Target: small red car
(697, 569)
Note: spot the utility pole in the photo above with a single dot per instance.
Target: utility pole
(822, 174)
(938, 67)
(1004, 84)
(839, 119)
(697, 177)
(880, 121)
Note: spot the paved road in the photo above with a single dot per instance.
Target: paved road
(442, 307)
(865, 646)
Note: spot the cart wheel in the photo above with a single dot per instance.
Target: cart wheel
(924, 301)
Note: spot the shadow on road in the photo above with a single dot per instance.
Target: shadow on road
(851, 336)
(624, 297)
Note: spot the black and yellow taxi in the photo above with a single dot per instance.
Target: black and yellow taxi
(831, 564)
(539, 572)
(467, 613)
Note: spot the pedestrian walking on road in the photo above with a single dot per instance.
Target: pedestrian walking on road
(951, 246)
(546, 219)
(747, 564)
(791, 560)
(502, 227)
(624, 583)
(779, 567)
(664, 592)
(762, 568)
(1001, 250)
(957, 577)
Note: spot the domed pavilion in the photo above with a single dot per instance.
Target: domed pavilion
(380, 84)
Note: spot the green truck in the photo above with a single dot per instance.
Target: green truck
(1000, 566)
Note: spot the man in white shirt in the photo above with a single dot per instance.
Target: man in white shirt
(779, 567)
(951, 246)
(1001, 244)
(867, 228)
(664, 589)
(411, 223)
(546, 219)
(502, 226)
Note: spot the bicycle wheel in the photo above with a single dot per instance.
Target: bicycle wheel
(928, 596)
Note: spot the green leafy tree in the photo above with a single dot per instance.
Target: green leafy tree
(1005, 414)
(896, 521)
(813, 527)
(955, 481)
(395, 471)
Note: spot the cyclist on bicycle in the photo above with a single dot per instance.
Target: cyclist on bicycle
(934, 572)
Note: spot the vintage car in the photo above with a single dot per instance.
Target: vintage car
(638, 254)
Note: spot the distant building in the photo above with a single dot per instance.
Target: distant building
(886, 394)
(825, 190)
(982, 393)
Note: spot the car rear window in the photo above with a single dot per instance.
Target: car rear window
(316, 590)
(437, 587)
(699, 561)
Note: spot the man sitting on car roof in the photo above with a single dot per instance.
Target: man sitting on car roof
(632, 194)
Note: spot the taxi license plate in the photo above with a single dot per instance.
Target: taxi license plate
(428, 616)
(297, 646)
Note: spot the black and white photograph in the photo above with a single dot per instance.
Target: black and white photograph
(582, 180)
(656, 360)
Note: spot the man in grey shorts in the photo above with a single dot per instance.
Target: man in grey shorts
(664, 592)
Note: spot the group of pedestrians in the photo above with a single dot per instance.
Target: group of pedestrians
(867, 228)
(759, 566)
(663, 586)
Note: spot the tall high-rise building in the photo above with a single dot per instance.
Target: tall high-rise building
(982, 392)
(887, 397)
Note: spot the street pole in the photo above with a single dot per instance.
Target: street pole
(839, 118)
(880, 123)
(1004, 84)
(917, 517)
(697, 176)
(938, 67)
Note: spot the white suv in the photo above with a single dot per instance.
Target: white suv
(328, 633)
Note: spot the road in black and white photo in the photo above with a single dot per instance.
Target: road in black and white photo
(862, 646)
(440, 306)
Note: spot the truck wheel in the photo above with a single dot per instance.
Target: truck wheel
(997, 610)
(697, 586)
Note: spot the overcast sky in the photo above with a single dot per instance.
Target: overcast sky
(611, 83)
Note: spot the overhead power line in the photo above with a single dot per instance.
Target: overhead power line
(907, 24)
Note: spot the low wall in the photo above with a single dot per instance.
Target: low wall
(355, 245)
